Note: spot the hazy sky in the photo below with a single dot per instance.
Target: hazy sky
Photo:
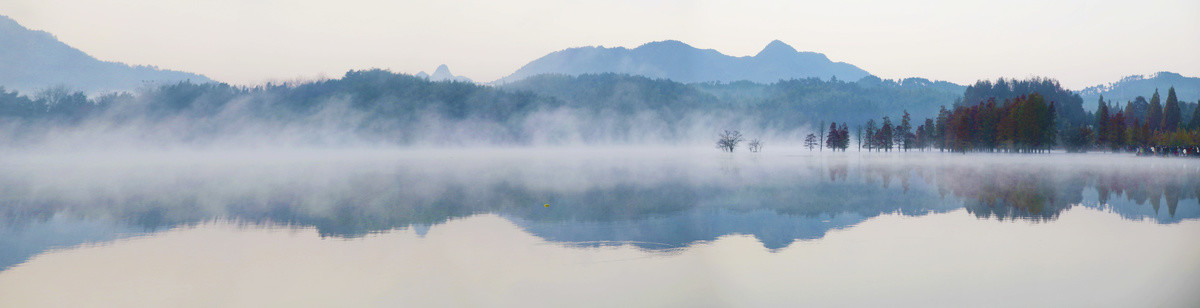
(1081, 43)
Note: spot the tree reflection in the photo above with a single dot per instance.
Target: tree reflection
(777, 205)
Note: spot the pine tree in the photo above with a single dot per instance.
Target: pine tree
(1101, 122)
(940, 129)
(1171, 112)
(869, 134)
(1050, 127)
(1195, 123)
(885, 134)
(930, 134)
(904, 130)
(1117, 131)
(844, 137)
(832, 141)
(1154, 116)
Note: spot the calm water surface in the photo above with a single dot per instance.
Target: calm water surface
(624, 227)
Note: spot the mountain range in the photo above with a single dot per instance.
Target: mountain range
(681, 62)
(31, 60)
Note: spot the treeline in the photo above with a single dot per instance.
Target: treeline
(1069, 105)
(1142, 125)
(811, 100)
(884, 137)
(1015, 121)
(57, 104)
(371, 105)
(380, 93)
(380, 106)
(1023, 124)
(783, 105)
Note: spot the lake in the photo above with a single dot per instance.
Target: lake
(595, 226)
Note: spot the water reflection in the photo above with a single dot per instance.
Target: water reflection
(657, 200)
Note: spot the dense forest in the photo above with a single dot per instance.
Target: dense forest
(1141, 125)
(1013, 116)
(787, 104)
(378, 106)
(1069, 105)
(811, 100)
(372, 105)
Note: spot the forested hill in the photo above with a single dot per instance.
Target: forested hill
(782, 105)
(813, 100)
(33, 60)
(619, 93)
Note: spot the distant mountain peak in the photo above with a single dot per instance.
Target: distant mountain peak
(442, 70)
(777, 48)
(443, 73)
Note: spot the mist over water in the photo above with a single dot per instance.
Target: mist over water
(667, 193)
(616, 207)
(568, 184)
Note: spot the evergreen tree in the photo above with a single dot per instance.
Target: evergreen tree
(1101, 123)
(930, 133)
(1006, 130)
(988, 118)
(1050, 126)
(919, 140)
(940, 129)
(844, 137)
(869, 132)
(1171, 112)
(904, 131)
(1136, 110)
(832, 141)
(1154, 116)
(1117, 131)
(886, 131)
(1195, 123)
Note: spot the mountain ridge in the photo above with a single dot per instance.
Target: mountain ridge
(1130, 87)
(675, 60)
(35, 59)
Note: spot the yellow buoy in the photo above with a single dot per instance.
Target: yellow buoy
(547, 205)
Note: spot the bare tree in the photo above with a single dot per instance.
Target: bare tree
(755, 145)
(810, 141)
(729, 140)
(858, 136)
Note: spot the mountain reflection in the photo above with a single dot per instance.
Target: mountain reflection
(653, 205)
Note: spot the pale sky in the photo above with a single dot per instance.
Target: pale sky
(1081, 43)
